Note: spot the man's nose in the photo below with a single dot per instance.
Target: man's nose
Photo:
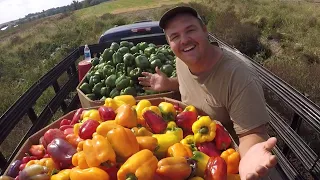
(184, 39)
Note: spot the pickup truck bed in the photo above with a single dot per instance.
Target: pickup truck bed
(292, 143)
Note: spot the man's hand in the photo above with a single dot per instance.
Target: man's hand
(258, 160)
(158, 82)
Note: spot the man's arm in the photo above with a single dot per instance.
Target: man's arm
(252, 137)
(173, 84)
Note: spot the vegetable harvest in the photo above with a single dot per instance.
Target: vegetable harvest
(112, 142)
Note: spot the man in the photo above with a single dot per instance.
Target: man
(217, 82)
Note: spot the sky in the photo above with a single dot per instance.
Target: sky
(15, 9)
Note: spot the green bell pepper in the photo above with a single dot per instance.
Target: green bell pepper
(129, 91)
(142, 45)
(155, 63)
(142, 62)
(161, 56)
(95, 61)
(149, 50)
(111, 81)
(120, 69)
(123, 50)
(110, 63)
(91, 96)
(152, 45)
(108, 70)
(128, 59)
(174, 73)
(135, 73)
(114, 92)
(114, 46)
(94, 80)
(122, 82)
(85, 88)
(171, 58)
(103, 98)
(134, 49)
(97, 89)
(167, 69)
(105, 91)
(117, 57)
(107, 55)
(129, 68)
(124, 44)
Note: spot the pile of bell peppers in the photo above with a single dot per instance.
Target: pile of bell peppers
(125, 139)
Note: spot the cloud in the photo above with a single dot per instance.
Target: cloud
(15, 9)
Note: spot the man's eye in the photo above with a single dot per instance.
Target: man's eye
(174, 37)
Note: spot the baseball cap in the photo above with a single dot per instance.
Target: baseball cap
(174, 11)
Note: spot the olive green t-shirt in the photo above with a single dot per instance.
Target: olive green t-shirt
(230, 93)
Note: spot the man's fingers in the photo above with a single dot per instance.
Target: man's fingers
(143, 79)
(272, 162)
(146, 74)
(158, 71)
(252, 176)
(270, 143)
(144, 83)
(262, 171)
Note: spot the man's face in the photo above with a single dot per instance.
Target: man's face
(187, 38)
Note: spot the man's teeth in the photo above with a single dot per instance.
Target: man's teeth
(188, 48)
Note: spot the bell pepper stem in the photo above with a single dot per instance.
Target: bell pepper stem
(204, 130)
(131, 177)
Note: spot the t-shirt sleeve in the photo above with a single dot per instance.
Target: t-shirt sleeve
(247, 108)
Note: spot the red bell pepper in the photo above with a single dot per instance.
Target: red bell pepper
(178, 108)
(61, 152)
(76, 116)
(88, 128)
(106, 113)
(157, 124)
(209, 149)
(38, 151)
(222, 139)
(68, 131)
(65, 122)
(50, 135)
(112, 171)
(185, 120)
(63, 127)
(216, 169)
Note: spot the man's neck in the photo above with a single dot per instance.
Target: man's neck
(212, 56)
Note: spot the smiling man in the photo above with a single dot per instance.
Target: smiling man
(217, 82)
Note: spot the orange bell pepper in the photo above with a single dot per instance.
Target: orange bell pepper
(46, 162)
(141, 165)
(232, 158)
(90, 173)
(62, 175)
(98, 150)
(196, 178)
(73, 139)
(179, 150)
(126, 116)
(176, 168)
(147, 142)
(123, 142)
(141, 105)
(127, 99)
(105, 127)
(142, 131)
(79, 159)
(233, 177)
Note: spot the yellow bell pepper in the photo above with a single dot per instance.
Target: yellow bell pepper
(98, 150)
(191, 108)
(127, 99)
(126, 116)
(123, 142)
(79, 159)
(168, 111)
(105, 127)
(47, 162)
(76, 128)
(204, 129)
(155, 109)
(172, 128)
(85, 174)
(113, 104)
(142, 165)
(165, 141)
(189, 142)
(62, 175)
(92, 114)
(202, 160)
(141, 105)
(142, 131)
